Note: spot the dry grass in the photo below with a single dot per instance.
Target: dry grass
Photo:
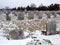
(33, 25)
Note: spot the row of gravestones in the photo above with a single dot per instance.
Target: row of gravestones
(19, 34)
(20, 15)
(31, 15)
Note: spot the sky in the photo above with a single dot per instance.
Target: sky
(24, 3)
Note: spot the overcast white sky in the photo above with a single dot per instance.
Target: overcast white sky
(16, 3)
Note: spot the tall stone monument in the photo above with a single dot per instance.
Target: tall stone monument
(51, 27)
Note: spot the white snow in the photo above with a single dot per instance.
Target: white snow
(55, 39)
(15, 42)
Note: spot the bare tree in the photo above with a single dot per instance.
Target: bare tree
(33, 5)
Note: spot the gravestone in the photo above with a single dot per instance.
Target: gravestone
(16, 34)
(51, 27)
(13, 17)
(30, 15)
(20, 16)
(3, 17)
(39, 15)
(8, 18)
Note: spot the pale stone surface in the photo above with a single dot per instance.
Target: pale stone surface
(51, 27)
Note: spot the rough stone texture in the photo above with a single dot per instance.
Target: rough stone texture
(21, 16)
(51, 27)
(16, 34)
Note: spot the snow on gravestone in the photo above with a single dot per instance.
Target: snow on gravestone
(13, 17)
(51, 27)
(3, 17)
(8, 18)
(30, 15)
(20, 16)
(16, 34)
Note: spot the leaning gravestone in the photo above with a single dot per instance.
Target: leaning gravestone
(16, 34)
(51, 27)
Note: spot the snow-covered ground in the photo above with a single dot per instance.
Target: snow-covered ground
(15, 42)
(33, 38)
(37, 38)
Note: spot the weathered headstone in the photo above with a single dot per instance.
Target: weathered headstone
(3, 17)
(39, 15)
(8, 18)
(20, 16)
(13, 17)
(30, 15)
(16, 34)
(51, 27)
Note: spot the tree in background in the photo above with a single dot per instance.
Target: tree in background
(33, 7)
(53, 7)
